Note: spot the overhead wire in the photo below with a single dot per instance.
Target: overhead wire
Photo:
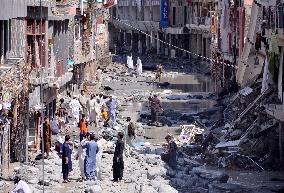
(171, 45)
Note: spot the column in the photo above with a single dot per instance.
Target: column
(131, 40)
(2, 40)
(124, 38)
(139, 44)
(158, 43)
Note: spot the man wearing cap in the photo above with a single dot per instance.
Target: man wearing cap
(75, 107)
(21, 186)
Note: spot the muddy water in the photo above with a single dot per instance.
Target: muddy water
(189, 82)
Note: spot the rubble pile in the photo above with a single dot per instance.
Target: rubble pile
(239, 134)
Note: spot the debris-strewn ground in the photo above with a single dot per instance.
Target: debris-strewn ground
(144, 170)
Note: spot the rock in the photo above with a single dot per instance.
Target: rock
(154, 172)
(95, 189)
(147, 189)
(200, 190)
(2, 184)
(171, 173)
(236, 133)
(211, 174)
(46, 183)
(226, 187)
(165, 188)
(33, 181)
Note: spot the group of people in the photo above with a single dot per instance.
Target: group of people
(89, 155)
(131, 67)
(97, 107)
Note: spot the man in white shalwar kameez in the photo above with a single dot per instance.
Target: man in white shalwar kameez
(93, 108)
(129, 63)
(139, 67)
(76, 108)
(99, 155)
(82, 154)
(21, 186)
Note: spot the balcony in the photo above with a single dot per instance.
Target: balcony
(201, 23)
(34, 28)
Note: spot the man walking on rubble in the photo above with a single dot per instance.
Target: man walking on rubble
(66, 159)
(112, 107)
(93, 107)
(90, 160)
(83, 101)
(81, 155)
(159, 72)
(99, 78)
(139, 67)
(129, 64)
(47, 132)
(76, 107)
(155, 106)
(118, 164)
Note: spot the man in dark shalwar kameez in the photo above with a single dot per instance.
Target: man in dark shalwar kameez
(171, 152)
(66, 159)
(47, 132)
(118, 164)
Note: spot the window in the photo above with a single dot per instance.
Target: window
(185, 15)
(174, 16)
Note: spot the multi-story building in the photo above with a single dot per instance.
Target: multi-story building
(41, 50)
(137, 26)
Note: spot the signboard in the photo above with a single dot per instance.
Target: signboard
(164, 20)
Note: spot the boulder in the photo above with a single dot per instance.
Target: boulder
(226, 187)
(94, 189)
(147, 189)
(154, 172)
(165, 188)
(211, 175)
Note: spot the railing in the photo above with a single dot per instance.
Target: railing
(201, 20)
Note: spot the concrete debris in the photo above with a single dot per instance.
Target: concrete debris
(246, 91)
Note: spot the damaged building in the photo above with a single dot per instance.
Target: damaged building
(44, 50)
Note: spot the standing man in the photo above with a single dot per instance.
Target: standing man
(66, 159)
(63, 110)
(118, 164)
(82, 154)
(90, 160)
(156, 107)
(139, 67)
(129, 64)
(99, 78)
(159, 72)
(130, 132)
(47, 132)
(76, 108)
(93, 107)
(112, 107)
(83, 101)
(83, 125)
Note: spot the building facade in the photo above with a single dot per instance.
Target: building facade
(43, 51)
